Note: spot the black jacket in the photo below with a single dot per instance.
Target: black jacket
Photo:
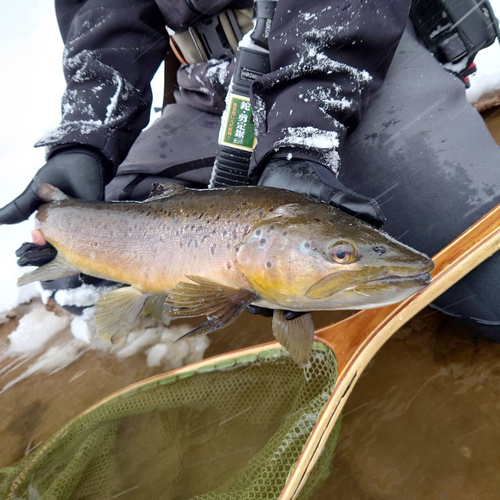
(114, 47)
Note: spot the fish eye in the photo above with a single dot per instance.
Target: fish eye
(343, 252)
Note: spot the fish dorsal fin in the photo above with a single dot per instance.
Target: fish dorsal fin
(295, 335)
(204, 297)
(117, 311)
(165, 189)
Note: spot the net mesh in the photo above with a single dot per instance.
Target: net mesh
(233, 430)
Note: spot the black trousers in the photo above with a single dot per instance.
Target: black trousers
(421, 150)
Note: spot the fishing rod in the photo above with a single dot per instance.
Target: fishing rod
(237, 136)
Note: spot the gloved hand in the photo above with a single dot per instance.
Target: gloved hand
(318, 182)
(77, 171)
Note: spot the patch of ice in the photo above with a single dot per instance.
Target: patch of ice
(156, 354)
(34, 331)
(259, 114)
(218, 71)
(324, 142)
(485, 82)
(83, 296)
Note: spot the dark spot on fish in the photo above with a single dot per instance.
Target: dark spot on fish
(243, 203)
(269, 264)
(228, 246)
(261, 213)
(224, 232)
(380, 250)
(271, 210)
(148, 213)
(285, 233)
(199, 228)
(194, 213)
(218, 217)
(257, 233)
(201, 215)
(214, 231)
(192, 227)
(317, 220)
(212, 205)
(186, 226)
(307, 244)
(237, 215)
(177, 232)
(246, 228)
(212, 249)
(205, 236)
(271, 228)
(228, 265)
(262, 241)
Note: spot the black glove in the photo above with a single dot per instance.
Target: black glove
(77, 171)
(318, 182)
(31, 254)
(267, 313)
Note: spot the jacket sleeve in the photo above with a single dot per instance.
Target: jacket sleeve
(328, 58)
(112, 50)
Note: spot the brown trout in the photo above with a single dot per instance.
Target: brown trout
(187, 252)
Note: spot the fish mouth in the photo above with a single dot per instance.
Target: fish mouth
(424, 278)
(328, 288)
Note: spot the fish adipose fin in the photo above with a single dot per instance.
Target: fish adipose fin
(55, 269)
(117, 311)
(295, 335)
(165, 190)
(204, 297)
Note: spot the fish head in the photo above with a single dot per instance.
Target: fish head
(316, 257)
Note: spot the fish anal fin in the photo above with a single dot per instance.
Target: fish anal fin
(164, 190)
(204, 297)
(117, 311)
(57, 268)
(295, 335)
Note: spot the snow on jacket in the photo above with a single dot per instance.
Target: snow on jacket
(328, 57)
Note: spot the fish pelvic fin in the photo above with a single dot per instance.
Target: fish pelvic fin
(53, 270)
(295, 335)
(117, 311)
(221, 304)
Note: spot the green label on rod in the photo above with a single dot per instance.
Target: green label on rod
(239, 129)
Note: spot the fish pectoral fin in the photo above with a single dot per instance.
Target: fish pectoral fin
(204, 297)
(164, 190)
(295, 335)
(53, 270)
(117, 311)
